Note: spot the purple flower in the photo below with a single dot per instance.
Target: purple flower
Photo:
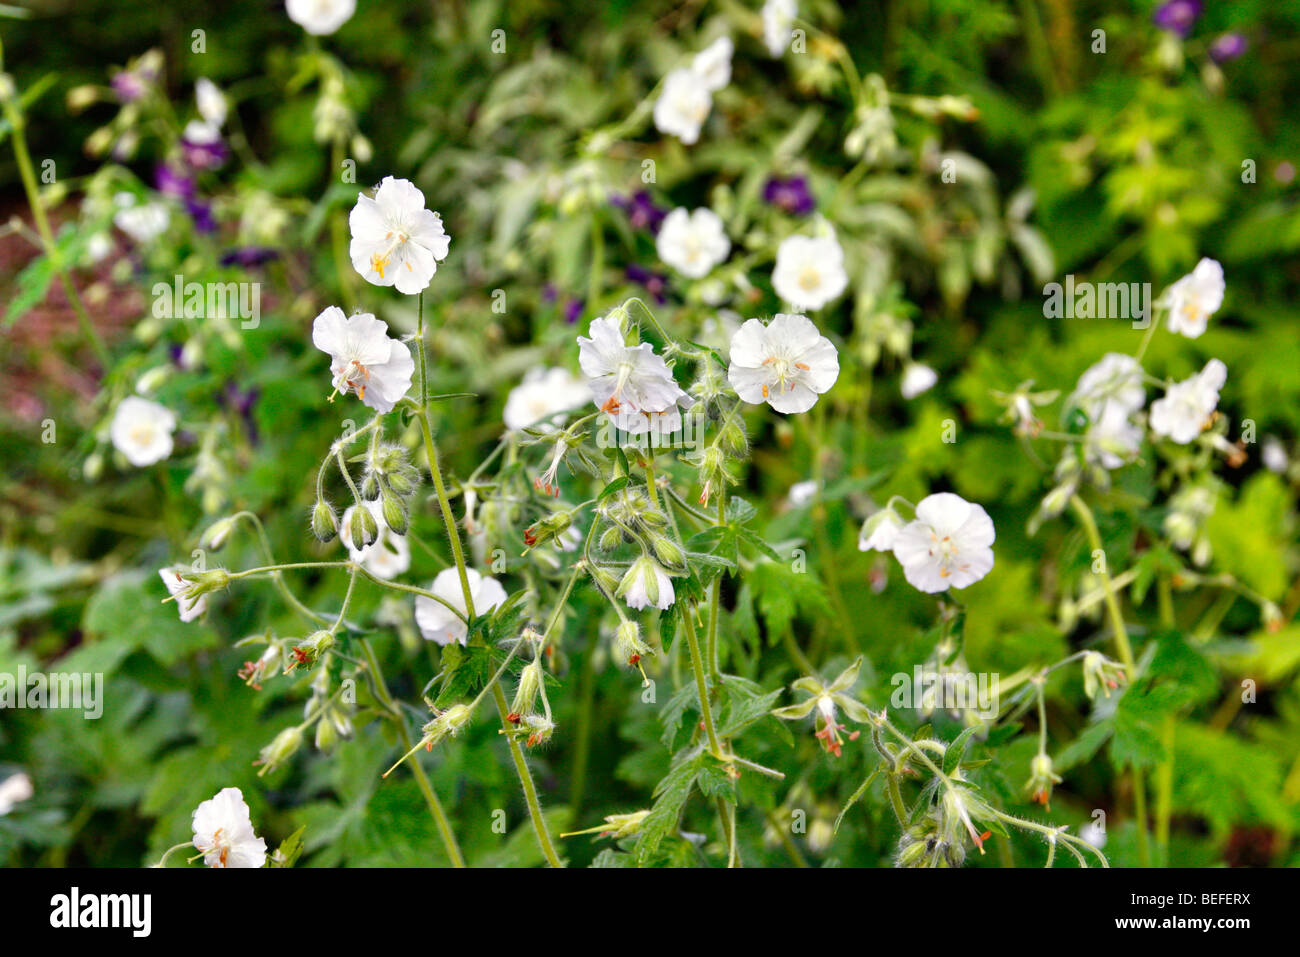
(1228, 47)
(790, 194)
(655, 283)
(573, 307)
(201, 213)
(129, 86)
(641, 211)
(1178, 16)
(249, 256)
(173, 182)
(200, 155)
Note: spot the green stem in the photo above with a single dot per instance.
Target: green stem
(526, 779)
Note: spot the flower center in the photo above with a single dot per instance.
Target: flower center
(353, 376)
(142, 434)
(809, 278)
(379, 261)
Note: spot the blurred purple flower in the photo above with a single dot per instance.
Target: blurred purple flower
(789, 193)
(173, 182)
(201, 156)
(1228, 47)
(249, 256)
(573, 307)
(1178, 16)
(655, 283)
(641, 211)
(129, 86)
(201, 213)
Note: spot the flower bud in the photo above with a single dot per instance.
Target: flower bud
(324, 521)
(395, 514)
(363, 528)
(282, 747)
(327, 735)
(628, 646)
(669, 553)
(216, 534)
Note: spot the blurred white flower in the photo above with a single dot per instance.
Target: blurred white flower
(880, 531)
(320, 17)
(223, 832)
(646, 583)
(1187, 406)
(212, 112)
(917, 378)
(713, 64)
(809, 271)
(1194, 298)
(1094, 834)
(437, 622)
(801, 493)
(177, 587)
(142, 430)
(1112, 439)
(542, 394)
(786, 363)
(1116, 378)
(693, 242)
(388, 556)
(683, 105)
(395, 240)
(948, 546)
(1274, 456)
(363, 358)
(14, 790)
(631, 384)
(778, 25)
(143, 222)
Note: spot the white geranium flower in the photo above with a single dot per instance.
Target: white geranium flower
(631, 384)
(645, 583)
(223, 831)
(693, 242)
(683, 105)
(880, 531)
(211, 103)
(786, 363)
(15, 789)
(917, 378)
(778, 25)
(1112, 439)
(143, 222)
(948, 546)
(542, 394)
(395, 240)
(364, 359)
(809, 271)
(713, 64)
(1194, 298)
(802, 493)
(142, 431)
(177, 587)
(1115, 379)
(387, 556)
(437, 622)
(320, 17)
(1187, 406)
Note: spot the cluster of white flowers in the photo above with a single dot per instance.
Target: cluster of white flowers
(687, 96)
(223, 832)
(1110, 393)
(809, 271)
(693, 242)
(948, 545)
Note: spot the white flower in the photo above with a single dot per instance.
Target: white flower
(631, 384)
(880, 531)
(801, 493)
(15, 789)
(809, 271)
(1187, 406)
(143, 222)
(1116, 378)
(713, 64)
(1113, 438)
(1194, 298)
(177, 587)
(778, 24)
(917, 378)
(395, 240)
(683, 106)
(948, 546)
(786, 363)
(646, 583)
(1274, 456)
(223, 831)
(437, 622)
(211, 103)
(142, 430)
(1094, 834)
(542, 394)
(693, 243)
(364, 359)
(320, 17)
(387, 556)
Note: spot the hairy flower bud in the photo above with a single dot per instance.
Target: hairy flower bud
(324, 521)
(282, 747)
(363, 528)
(395, 514)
